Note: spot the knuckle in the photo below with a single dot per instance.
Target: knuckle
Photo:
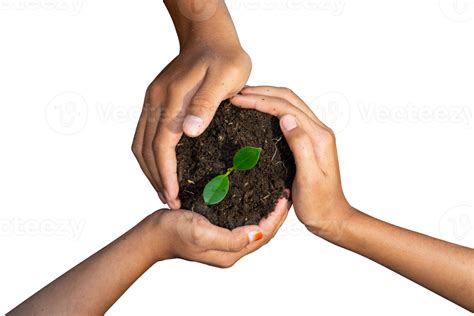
(175, 89)
(204, 101)
(198, 232)
(170, 122)
(166, 115)
(286, 106)
(137, 150)
(287, 92)
(154, 90)
(226, 262)
(232, 69)
(328, 135)
(235, 244)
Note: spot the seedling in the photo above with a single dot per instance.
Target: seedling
(244, 159)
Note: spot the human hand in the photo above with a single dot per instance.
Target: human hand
(190, 236)
(317, 194)
(184, 97)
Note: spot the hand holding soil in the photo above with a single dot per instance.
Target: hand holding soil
(211, 66)
(189, 235)
(317, 194)
(320, 204)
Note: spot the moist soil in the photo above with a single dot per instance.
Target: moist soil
(252, 194)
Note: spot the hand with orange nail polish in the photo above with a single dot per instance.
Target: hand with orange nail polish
(188, 235)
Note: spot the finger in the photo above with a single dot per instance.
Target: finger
(288, 207)
(322, 137)
(275, 219)
(269, 227)
(170, 130)
(205, 102)
(152, 118)
(257, 235)
(300, 144)
(138, 149)
(216, 238)
(277, 107)
(168, 134)
(282, 93)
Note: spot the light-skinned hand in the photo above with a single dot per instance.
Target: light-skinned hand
(317, 194)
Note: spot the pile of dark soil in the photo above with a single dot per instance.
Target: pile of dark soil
(252, 194)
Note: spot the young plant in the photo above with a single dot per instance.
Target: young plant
(216, 189)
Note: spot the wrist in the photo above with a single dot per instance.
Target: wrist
(205, 22)
(154, 238)
(332, 226)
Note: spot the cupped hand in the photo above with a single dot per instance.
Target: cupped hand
(317, 195)
(185, 97)
(190, 236)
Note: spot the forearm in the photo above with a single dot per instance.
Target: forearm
(442, 267)
(93, 286)
(206, 21)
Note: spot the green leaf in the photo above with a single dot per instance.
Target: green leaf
(216, 190)
(246, 158)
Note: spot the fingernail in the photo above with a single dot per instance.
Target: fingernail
(162, 198)
(255, 235)
(288, 122)
(174, 204)
(192, 125)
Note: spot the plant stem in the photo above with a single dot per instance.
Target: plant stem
(229, 171)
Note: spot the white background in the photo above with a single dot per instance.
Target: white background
(394, 80)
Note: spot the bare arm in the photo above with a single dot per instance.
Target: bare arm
(201, 20)
(211, 66)
(93, 286)
(444, 268)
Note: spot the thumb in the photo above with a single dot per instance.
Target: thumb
(299, 142)
(203, 106)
